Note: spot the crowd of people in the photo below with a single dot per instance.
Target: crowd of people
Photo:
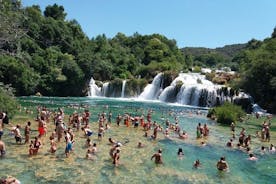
(64, 132)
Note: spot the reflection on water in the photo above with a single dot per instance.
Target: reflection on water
(135, 164)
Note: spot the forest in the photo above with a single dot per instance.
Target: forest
(42, 51)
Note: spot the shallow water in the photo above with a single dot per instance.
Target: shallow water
(135, 164)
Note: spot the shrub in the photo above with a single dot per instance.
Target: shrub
(227, 113)
(7, 100)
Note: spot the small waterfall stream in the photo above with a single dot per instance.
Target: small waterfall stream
(94, 90)
(123, 89)
(153, 90)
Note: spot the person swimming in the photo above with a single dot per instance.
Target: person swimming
(252, 157)
(180, 153)
(196, 164)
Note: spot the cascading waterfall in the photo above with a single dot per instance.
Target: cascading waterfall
(105, 89)
(94, 90)
(187, 89)
(123, 89)
(194, 88)
(153, 90)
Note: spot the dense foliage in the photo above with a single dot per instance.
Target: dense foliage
(227, 113)
(258, 72)
(213, 58)
(43, 52)
(8, 103)
(255, 62)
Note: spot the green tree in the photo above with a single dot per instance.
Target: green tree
(8, 102)
(55, 11)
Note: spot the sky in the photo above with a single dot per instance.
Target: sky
(192, 23)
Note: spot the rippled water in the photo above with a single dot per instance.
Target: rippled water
(136, 166)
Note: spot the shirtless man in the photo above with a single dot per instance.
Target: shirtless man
(116, 157)
(155, 130)
(17, 134)
(2, 148)
(27, 132)
(87, 131)
(158, 157)
(222, 164)
(101, 133)
(91, 152)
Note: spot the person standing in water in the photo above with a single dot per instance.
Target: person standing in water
(116, 157)
(2, 148)
(222, 164)
(27, 132)
(180, 153)
(158, 157)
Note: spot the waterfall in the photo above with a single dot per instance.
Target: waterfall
(94, 90)
(105, 89)
(187, 89)
(153, 90)
(123, 89)
(195, 90)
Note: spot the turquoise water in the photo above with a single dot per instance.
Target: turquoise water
(136, 166)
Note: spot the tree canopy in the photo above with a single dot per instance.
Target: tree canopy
(46, 53)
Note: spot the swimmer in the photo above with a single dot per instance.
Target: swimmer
(36, 145)
(272, 148)
(197, 164)
(88, 143)
(27, 132)
(91, 152)
(17, 134)
(10, 180)
(203, 144)
(230, 143)
(113, 150)
(69, 147)
(184, 135)
(2, 148)
(140, 145)
(263, 150)
(87, 131)
(111, 141)
(94, 149)
(180, 153)
(158, 157)
(222, 164)
(252, 157)
(53, 144)
(100, 133)
(116, 157)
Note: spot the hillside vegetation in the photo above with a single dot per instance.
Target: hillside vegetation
(42, 51)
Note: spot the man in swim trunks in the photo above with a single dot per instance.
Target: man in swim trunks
(27, 132)
(222, 164)
(87, 131)
(69, 146)
(158, 157)
(17, 134)
(116, 157)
